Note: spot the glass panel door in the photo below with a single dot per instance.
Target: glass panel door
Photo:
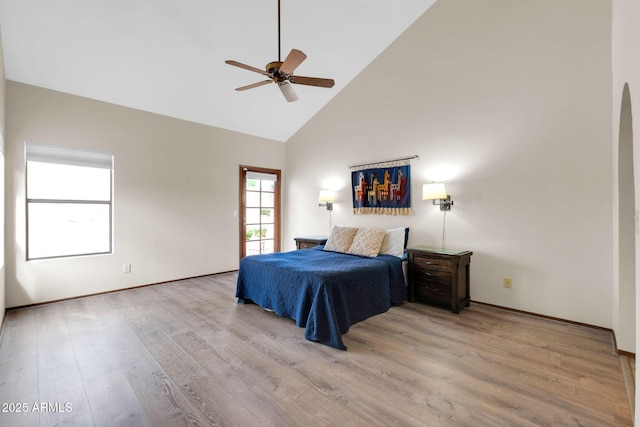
(260, 206)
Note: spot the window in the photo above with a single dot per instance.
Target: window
(69, 201)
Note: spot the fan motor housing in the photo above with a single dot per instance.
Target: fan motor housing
(274, 69)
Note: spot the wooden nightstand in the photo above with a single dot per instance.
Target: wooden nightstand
(310, 241)
(439, 276)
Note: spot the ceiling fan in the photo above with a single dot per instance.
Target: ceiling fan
(281, 73)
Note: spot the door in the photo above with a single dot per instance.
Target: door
(259, 211)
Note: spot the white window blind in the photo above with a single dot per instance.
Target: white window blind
(48, 153)
(262, 176)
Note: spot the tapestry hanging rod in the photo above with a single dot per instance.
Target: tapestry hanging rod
(415, 156)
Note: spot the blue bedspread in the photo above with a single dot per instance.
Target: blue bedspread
(324, 292)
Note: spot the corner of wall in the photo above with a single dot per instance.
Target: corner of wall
(3, 84)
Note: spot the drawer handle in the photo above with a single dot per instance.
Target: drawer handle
(433, 289)
(431, 274)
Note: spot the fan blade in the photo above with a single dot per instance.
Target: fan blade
(247, 67)
(251, 86)
(311, 81)
(294, 59)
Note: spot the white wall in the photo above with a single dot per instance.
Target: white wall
(626, 70)
(176, 188)
(2, 233)
(509, 103)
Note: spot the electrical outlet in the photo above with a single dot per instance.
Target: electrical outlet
(506, 282)
(126, 268)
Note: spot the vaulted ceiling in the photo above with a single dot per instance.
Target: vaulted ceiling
(167, 56)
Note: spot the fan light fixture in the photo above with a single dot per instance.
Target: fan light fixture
(438, 193)
(287, 91)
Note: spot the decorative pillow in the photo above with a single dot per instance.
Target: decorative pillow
(367, 242)
(394, 242)
(340, 239)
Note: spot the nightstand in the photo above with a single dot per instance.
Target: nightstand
(439, 276)
(310, 241)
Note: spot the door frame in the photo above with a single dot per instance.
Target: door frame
(242, 211)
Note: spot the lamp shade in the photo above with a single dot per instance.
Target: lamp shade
(434, 191)
(327, 196)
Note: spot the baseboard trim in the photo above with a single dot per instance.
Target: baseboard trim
(558, 319)
(20, 307)
(530, 313)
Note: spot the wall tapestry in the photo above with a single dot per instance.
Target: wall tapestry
(382, 188)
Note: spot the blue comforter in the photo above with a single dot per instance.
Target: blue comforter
(324, 292)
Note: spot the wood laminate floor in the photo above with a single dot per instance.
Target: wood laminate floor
(184, 353)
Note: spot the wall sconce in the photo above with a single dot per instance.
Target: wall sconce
(436, 191)
(327, 198)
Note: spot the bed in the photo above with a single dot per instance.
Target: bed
(325, 289)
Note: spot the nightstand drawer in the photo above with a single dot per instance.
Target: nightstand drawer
(432, 276)
(431, 263)
(429, 291)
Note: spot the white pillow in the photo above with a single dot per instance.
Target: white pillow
(340, 239)
(367, 242)
(393, 243)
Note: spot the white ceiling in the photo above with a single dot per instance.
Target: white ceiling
(167, 56)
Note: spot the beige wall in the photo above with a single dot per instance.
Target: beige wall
(509, 103)
(175, 193)
(2, 214)
(626, 70)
